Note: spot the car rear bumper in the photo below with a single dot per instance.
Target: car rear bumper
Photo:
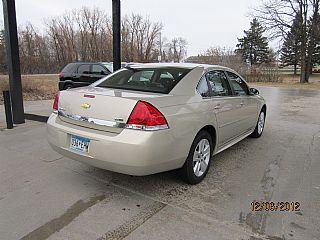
(130, 152)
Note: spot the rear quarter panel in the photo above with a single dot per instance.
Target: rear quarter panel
(186, 120)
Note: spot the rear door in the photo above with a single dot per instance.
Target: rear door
(223, 105)
(246, 105)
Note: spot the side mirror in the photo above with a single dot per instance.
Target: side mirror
(254, 91)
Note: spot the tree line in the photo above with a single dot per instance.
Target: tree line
(296, 23)
(86, 35)
(293, 23)
(252, 51)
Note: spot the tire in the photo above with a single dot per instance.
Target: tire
(193, 172)
(67, 86)
(260, 125)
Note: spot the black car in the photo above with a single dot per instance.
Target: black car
(80, 74)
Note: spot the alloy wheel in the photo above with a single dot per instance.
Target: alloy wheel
(261, 122)
(201, 157)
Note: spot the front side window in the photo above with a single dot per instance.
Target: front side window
(218, 83)
(158, 80)
(99, 70)
(84, 69)
(108, 66)
(239, 86)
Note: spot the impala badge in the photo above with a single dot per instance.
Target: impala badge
(118, 119)
(86, 106)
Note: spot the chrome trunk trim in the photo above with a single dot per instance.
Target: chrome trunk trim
(91, 121)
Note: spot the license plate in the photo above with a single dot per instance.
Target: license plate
(79, 144)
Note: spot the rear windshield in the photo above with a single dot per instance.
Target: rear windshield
(157, 80)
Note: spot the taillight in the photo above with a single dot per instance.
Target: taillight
(61, 75)
(146, 117)
(56, 102)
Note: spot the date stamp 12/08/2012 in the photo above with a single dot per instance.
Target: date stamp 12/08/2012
(259, 206)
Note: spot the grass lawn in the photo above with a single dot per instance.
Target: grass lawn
(35, 87)
(292, 81)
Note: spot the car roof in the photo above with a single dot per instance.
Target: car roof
(80, 63)
(176, 65)
(206, 67)
(161, 65)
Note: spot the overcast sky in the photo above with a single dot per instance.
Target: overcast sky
(203, 23)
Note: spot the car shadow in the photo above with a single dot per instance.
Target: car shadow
(169, 187)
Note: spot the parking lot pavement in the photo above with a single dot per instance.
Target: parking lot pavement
(42, 108)
(46, 196)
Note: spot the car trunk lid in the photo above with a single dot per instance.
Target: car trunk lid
(99, 108)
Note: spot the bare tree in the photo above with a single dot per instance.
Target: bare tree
(278, 17)
(86, 35)
(34, 51)
(176, 49)
(221, 56)
(94, 35)
(3, 57)
(139, 39)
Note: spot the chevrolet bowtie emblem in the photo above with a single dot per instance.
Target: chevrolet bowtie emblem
(86, 106)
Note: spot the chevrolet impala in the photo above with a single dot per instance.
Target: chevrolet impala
(150, 118)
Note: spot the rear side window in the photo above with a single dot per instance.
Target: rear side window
(84, 69)
(69, 68)
(158, 80)
(203, 88)
(166, 75)
(219, 83)
(147, 75)
(239, 86)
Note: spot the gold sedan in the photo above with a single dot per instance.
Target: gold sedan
(150, 118)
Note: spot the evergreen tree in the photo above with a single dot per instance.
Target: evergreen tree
(291, 49)
(254, 46)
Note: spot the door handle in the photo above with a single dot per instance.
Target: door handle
(241, 104)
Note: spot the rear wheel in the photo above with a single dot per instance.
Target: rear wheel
(197, 163)
(67, 86)
(260, 125)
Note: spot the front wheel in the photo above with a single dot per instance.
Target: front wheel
(197, 163)
(260, 125)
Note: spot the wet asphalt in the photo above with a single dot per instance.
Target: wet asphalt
(46, 196)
